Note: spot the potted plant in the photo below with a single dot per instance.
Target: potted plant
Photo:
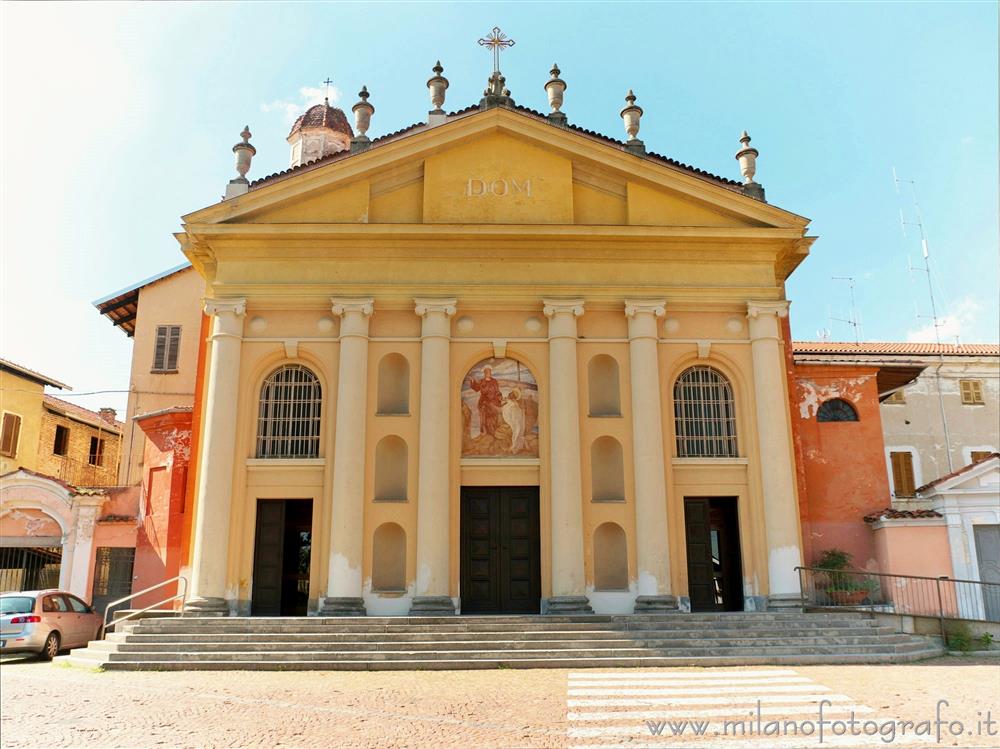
(843, 586)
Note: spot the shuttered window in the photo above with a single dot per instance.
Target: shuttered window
(10, 434)
(168, 344)
(972, 392)
(902, 474)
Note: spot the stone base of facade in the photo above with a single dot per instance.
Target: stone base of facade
(343, 606)
(656, 605)
(568, 606)
(432, 606)
(207, 607)
(786, 602)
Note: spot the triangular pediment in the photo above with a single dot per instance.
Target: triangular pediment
(497, 167)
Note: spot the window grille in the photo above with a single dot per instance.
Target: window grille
(168, 344)
(704, 414)
(288, 421)
(836, 410)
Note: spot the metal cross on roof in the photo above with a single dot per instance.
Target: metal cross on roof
(498, 42)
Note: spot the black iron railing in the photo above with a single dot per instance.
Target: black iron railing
(941, 598)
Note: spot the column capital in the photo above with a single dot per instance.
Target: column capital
(655, 307)
(778, 309)
(553, 307)
(340, 306)
(236, 306)
(424, 305)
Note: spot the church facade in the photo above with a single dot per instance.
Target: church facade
(492, 363)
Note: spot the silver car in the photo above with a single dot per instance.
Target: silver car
(45, 622)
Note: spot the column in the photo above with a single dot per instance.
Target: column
(85, 511)
(431, 596)
(651, 540)
(210, 557)
(566, 489)
(347, 508)
(781, 512)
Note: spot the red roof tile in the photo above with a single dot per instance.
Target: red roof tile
(896, 347)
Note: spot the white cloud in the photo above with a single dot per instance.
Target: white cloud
(959, 322)
(308, 96)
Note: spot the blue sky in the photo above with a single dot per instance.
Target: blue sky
(118, 118)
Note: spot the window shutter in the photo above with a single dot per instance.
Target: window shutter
(160, 353)
(173, 346)
(11, 431)
(902, 474)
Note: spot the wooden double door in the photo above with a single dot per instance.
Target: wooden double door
(281, 557)
(715, 570)
(500, 550)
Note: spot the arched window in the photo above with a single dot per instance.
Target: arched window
(390, 469)
(288, 419)
(607, 470)
(836, 409)
(389, 559)
(704, 414)
(602, 376)
(610, 557)
(393, 385)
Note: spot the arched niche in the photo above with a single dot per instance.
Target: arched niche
(390, 469)
(389, 559)
(393, 385)
(603, 386)
(607, 470)
(610, 557)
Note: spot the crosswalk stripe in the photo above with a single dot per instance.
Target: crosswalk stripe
(701, 690)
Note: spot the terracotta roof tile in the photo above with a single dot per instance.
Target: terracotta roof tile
(722, 181)
(953, 474)
(890, 513)
(323, 115)
(82, 414)
(916, 349)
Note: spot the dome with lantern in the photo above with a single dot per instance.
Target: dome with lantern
(321, 131)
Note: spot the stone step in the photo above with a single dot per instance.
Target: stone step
(305, 626)
(334, 635)
(265, 645)
(519, 662)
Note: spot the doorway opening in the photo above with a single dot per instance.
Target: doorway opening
(500, 550)
(282, 551)
(715, 569)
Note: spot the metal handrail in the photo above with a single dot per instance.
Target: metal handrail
(182, 596)
(968, 600)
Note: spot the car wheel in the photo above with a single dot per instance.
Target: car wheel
(51, 647)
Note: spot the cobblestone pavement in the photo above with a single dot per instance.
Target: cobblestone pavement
(45, 705)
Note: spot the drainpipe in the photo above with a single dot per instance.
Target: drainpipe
(944, 416)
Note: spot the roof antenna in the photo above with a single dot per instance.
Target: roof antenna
(924, 249)
(854, 320)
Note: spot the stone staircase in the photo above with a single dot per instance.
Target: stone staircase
(467, 642)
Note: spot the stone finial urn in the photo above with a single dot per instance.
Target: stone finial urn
(244, 153)
(555, 87)
(631, 114)
(747, 156)
(437, 85)
(362, 113)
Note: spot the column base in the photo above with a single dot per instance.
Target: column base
(568, 606)
(432, 606)
(343, 606)
(786, 603)
(656, 605)
(208, 606)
